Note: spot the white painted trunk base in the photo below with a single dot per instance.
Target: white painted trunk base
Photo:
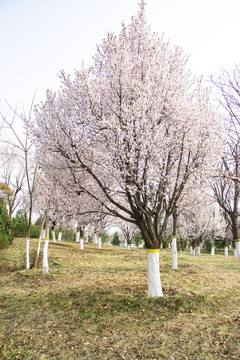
(212, 250)
(235, 252)
(174, 253)
(27, 254)
(99, 243)
(153, 273)
(169, 246)
(225, 250)
(78, 236)
(164, 252)
(191, 250)
(129, 247)
(81, 244)
(60, 236)
(198, 251)
(53, 236)
(39, 246)
(230, 246)
(45, 257)
(237, 244)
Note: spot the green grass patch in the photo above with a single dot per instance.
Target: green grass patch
(93, 305)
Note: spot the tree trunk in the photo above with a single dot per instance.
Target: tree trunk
(53, 231)
(99, 242)
(78, 234)
(39, 248)
(174, 240)
(27, 253)
(81, 239)
(45, 252)
(153, 273)
(53, 236)
(225, 250)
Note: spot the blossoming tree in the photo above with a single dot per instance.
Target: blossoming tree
(128, 129)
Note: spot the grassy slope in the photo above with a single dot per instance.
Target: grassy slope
(94, 305)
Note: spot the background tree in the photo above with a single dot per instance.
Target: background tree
(20, 142)
(115, 240)
(12, 174)
(226, 184)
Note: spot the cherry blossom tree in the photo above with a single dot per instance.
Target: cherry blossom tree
(200, 219)
(130, 132)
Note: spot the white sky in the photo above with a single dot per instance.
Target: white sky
(40, 37)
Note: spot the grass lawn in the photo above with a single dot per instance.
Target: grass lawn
(93, 304)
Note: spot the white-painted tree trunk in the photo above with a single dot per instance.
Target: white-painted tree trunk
(237, 244)
(78, 236)
(95, 240)
(99, 242)
(169, 245)
(198, 250)
(53, 236)
(174, 253)
(86, 236)
(187, 245)
(153, 273)
(164, 252)
(41, 237)
(129, 247)
(230, 246)
(225, 250)
(81, 244)
(43, 234)
(126, 244)
(45, 257)
(39, 246)
(235, 252)
(27, 253)
(191, 250)
(60, 236)
(212, 250)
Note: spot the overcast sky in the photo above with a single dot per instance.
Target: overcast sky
(40, 37)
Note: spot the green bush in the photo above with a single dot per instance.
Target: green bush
(19, 224)
(104, 237)
(34, 231)
(115, 240)
(69, 235)
(4, 241)
(138, 239)
(208, 245)
(6, 236)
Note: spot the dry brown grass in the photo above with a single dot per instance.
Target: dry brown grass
(94, 305)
